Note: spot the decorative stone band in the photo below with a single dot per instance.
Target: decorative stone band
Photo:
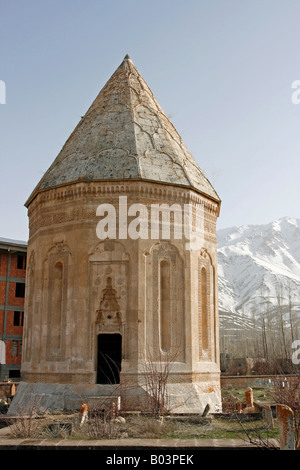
(71, 191)
(58, 378)
(126, 378)
(145, 193)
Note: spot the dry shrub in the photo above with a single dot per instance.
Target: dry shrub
(287, 392)
(58, 429)
(230, 404)
(156, 374)
(272, 367)
(100, 425)
(25, 423)
(145, 426)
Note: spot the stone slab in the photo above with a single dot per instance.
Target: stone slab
(41, 397)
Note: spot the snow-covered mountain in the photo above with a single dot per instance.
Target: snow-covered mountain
(259, 272)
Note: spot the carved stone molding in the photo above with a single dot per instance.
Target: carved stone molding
(56, 209)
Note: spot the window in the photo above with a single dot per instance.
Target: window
(14, 373)
(18, 318)
(21, 262)
(20, 289)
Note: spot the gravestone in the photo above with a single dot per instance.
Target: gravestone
(286, 427)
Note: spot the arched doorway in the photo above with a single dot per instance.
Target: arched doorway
(109, 358)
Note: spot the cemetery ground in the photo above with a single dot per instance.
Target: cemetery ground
(232, 423)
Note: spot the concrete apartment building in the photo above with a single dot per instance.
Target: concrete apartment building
(12, 294)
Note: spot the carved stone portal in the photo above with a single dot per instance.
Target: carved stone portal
(109, 311)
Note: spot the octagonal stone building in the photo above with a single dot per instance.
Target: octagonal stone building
(116, 284)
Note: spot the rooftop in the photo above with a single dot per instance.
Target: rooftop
(125, 135)
(10, 243)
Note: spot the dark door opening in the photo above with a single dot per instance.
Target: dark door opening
(109, 358)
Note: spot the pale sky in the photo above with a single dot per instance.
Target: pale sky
(222, 70)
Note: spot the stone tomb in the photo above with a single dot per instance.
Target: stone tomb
(99, 311)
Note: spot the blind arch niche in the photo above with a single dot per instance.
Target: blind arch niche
(165, 304)
(206, 308)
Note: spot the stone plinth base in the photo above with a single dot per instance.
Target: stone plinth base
(193, 398)
(42, 397)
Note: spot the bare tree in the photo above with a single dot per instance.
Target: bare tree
(287, 392)
(156, 373)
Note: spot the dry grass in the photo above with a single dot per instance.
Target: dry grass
(139, 426)
(108, 425)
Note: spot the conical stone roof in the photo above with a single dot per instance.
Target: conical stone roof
(125, 135)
